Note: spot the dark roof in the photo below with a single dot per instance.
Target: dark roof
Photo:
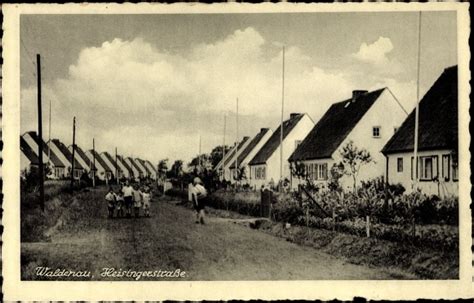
(99, 160)
(437, 116)
(144, 165)
(28, 152)
(151, 165)
(122, 160)
(67, 153)
(272, 144)
(135, 165)
(251, 146)
(111, 160)
(338, 121)
(82, 155)
(235, 150)
(54, 159)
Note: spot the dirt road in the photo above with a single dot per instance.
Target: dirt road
(170, 240)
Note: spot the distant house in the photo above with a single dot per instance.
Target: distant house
(235, 152)
(32, 140)
(28, 158)
(265, 166)
(437, 169)
(110, 161)
(249, 152)
(62, 153)
(101, 170)
(110, 169)
(368, 119)
(219, 166)
(137, 173)
(141, 164)
(152, 169)
(81, 157)
(124, 168)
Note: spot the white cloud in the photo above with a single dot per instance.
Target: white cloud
(154, 104)
(376, 55)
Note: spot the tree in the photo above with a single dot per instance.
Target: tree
(352, 160)
(216, 154)
(176, 169)
(162, 169)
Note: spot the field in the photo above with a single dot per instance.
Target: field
(81, 238)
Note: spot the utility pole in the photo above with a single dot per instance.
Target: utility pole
(282, 113)
(415, 147)
(49, 136)
(199, 155)
(116, 167)
(93, 162)
(73, 151)
(40, 133)
(236, 136)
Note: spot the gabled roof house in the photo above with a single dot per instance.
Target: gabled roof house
(141, 164)
(81, 157)
(124, 167)
(249, 152)
(152, 169)
(62, 153)
(367, 119)
(240, 146)
(28, 158)
(137, 173)
(101, 170)
(265, 165)
(437, 159)
(110, 162)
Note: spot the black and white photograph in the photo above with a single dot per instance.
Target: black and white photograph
(249, 146)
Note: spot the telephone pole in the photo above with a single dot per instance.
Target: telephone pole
(73, 151)
(93, 162)
(40, 133)
(116, 167)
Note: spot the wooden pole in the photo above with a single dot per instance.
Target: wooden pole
(73, 151)
(282, 113)
(40, 133)
(93, 162)
(116, 167)
(49, 136)
(236, 138)
(415, 148)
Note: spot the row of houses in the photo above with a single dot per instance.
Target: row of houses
(59, 158)
(374, 121)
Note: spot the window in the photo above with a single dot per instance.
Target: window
(445, 168)
(320, 171)
(263, 173)
(455, 167)
(376, 131)
(428, 168)
(399, 165)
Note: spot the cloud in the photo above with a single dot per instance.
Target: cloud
(154, 104)
(376, 55)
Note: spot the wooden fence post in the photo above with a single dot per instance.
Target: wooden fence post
(334, 220)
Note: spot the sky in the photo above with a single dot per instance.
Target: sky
(152, 85)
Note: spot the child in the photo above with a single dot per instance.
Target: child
(199, 194)
(146, 197)
(119, 204)
(127, 191)
(110, 198)
(137, 201)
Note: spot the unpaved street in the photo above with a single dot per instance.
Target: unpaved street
(170, 240)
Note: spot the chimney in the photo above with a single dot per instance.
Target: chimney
(357, 93)
(294, 115)
(264, 129)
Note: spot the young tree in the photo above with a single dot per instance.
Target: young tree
(216, 154)
(352, 160)
(162, 168)
(176, 169)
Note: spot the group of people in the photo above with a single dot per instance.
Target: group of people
(128, 198)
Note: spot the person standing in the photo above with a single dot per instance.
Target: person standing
(146, 197)
(127, 198)
(137, 201)
(199, 194)
(110, 198)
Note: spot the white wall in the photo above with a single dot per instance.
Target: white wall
(443, 188)
(385, 113)
(24, 163)
(252, 154)
(298, 133)
(100, 171)
(136, 173)
(80, 160)
(227, 172)
(124, 170)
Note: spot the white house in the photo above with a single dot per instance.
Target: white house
(137, 173)
(141, 165)
(265, 166)
(63, 155)
(28, 158)
(248, 153)
(368, 119)
(125, 169)
(32, 140)
(113, 166)
(152, 169)
(437, 169)
(99, 165)
(219, 167)
(232, 158)
(81, 157)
